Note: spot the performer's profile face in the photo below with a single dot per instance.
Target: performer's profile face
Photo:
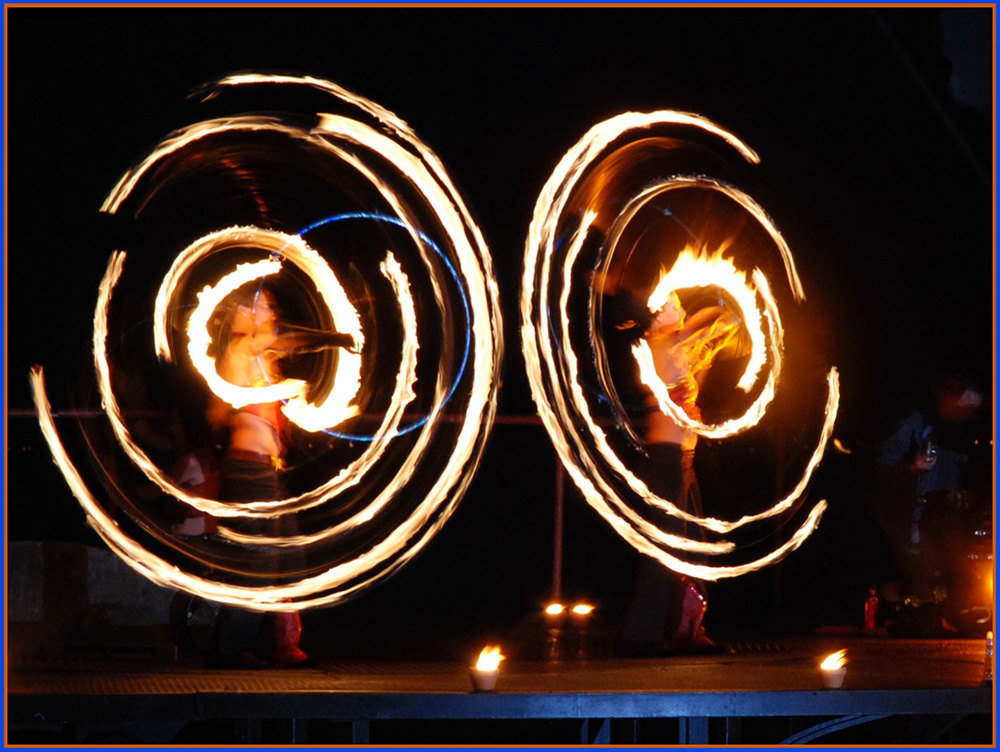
(265, 308)
(671, 314)
(262, 310)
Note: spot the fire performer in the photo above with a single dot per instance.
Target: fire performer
(666, 611)
(251, 342)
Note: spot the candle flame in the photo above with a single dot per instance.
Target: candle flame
(834, 661)
(489, 659)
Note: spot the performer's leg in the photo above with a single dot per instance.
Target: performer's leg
(651, 602)
(649, 608)
(238, 631)
(284, 628)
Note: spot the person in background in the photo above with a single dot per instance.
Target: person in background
(926, 488)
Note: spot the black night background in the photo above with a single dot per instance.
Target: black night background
(874, 128)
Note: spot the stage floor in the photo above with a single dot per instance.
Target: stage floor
(754, 691)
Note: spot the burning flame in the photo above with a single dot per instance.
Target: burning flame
(698, 270)
(489, 659)
(347, 377)
(834, 661)
(692, 269)
(582, 609)
(555, 608)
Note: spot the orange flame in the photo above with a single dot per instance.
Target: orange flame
(692, 269)
(834, 661)
(699, 348)
(489, 659)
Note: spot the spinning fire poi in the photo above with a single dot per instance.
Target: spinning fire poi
(355, 227)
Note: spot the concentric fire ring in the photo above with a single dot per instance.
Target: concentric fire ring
(392, 258)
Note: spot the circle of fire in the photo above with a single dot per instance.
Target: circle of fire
(383, 504)
(558, 255)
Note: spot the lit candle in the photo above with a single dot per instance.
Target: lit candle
(555, 615)
(484, 673)
(580, 615)
(833, 668)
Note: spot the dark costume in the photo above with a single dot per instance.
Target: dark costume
(252, 476)
(666, 608)
(918, 510)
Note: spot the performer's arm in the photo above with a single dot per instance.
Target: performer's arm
(298, 341)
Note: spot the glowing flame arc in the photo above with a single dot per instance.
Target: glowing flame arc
(551, 269)
(341, 140)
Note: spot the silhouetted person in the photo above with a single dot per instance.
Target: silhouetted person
(925, 490)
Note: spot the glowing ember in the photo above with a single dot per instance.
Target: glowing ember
(489, 659)
(834, 661)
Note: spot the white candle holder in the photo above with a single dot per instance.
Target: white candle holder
(833, 678)
(484, 680)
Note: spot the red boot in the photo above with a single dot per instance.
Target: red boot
(689, 605)
(287, 632)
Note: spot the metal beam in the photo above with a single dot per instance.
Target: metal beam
(338, 705)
